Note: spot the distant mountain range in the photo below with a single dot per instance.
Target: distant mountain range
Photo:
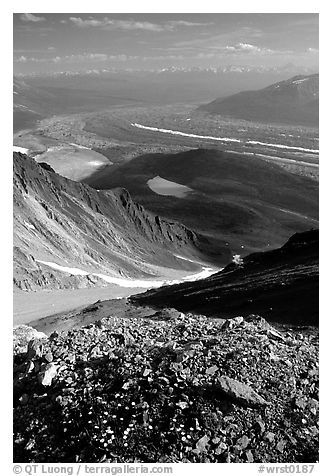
(280, 285)
(28, 104)
(68, 92)
(68, 223)
(33, 101)
(294, 101)
(286, 69)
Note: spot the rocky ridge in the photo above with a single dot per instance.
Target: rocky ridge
(69, 223)
(172, 387)
(282, 285)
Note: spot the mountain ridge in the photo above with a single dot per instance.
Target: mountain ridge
(56, 219)
(295, 100)
(246, 202)
(281, 285)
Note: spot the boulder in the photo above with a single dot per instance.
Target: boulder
(23, 334)
(47, 374)
(243, 442)
(273, 334)
(269, 436)
(35, 349)
(202, 444)
(239, 392)
(258, 321)
(234, 322)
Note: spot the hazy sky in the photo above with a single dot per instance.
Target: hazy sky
(58, 42)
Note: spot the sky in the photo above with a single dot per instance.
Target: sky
(52, 42)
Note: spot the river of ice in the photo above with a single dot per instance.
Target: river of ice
(224, 139)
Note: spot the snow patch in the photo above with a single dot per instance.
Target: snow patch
(131, 283)
(279, 159)
(162, 186)
(205, 273)
(29, 225)
(281, 146)
(184, 134)
(222, 139)
(65, 269)
(96, 162)
(23, 150)
(187, 259)
(79, 146)
(298, 81)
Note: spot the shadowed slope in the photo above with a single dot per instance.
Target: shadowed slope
(281, 285)
(241, 203)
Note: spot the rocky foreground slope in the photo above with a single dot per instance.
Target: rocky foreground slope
(64, 222)
(168, 388)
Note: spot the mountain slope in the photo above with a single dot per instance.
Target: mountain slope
(27, 105)
(60, 221)
(281, 285)
(35, 100)
(295, 101)
(167, 388)
(241, 203)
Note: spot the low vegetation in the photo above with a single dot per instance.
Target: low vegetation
(168, 388)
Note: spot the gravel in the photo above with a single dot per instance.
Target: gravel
(178, 388)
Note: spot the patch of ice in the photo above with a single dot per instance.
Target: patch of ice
(20, 149)
(79, 146)
(184, 134)
(29, 225)
(126, 283)
(205, 273)
(278, 159)
(131, 283)
(96, 162)
(298, 81)
(65, 269)
(162, 186)
(187, 259)
(281, 146)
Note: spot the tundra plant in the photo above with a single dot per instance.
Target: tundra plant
(237, 260)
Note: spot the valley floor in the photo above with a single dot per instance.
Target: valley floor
(31, 306)
(123, 133)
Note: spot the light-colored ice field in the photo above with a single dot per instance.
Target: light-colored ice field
(162, 186)
(131, 283)
(73, 161)
(20, 149)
